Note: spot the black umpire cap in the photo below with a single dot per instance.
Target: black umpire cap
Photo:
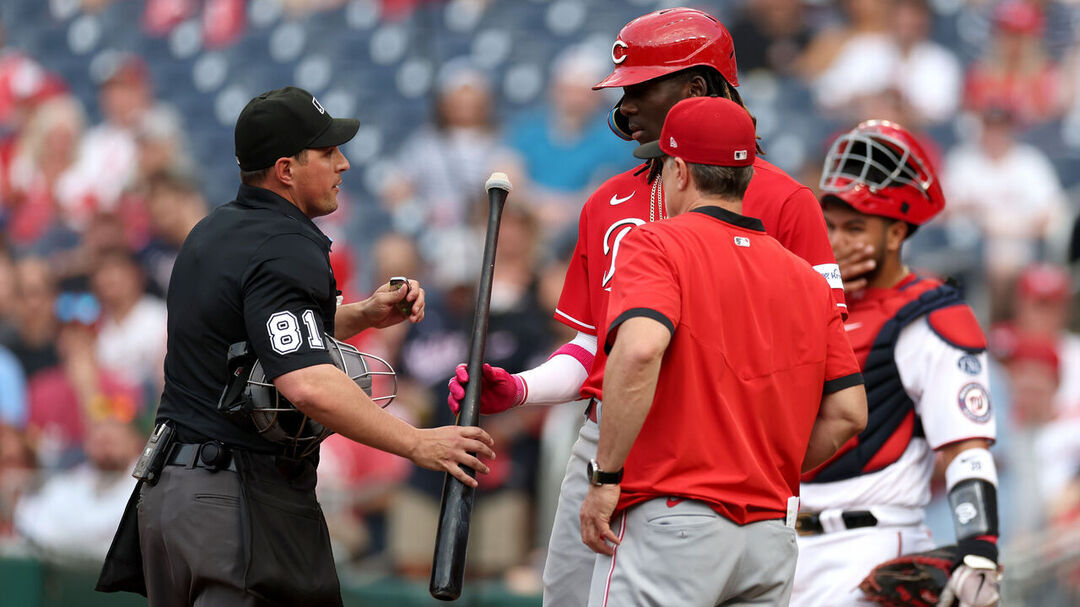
(284, 122)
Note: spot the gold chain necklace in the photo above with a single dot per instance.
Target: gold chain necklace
(656, 200)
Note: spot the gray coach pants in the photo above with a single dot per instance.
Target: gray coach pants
(686, 554)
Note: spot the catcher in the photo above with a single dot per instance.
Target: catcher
(923, 357)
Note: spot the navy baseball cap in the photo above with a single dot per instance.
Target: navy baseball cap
(705, 130)
(282, 123)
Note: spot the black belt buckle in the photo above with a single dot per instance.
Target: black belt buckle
(808, 523)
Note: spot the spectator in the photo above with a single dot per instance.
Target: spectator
(103, 232)
(174, 205)
(1012, 195)
(928, 75)
(566, 146)
(772, 36)
(1042, 304)
(97, 490)
(886, 47)
(64, 397)
(45, 155)
(132, 331)
(846, 62)
(442, 166)
(108, 157)
(33, 341)
(1034, 373)
(1016, 72)
(162, 146)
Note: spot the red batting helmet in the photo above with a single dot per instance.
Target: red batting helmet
(879, 168)
(667, 41)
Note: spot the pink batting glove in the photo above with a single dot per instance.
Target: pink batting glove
(500, 391)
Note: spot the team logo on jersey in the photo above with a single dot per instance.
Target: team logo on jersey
(974, 401)
(742, 241)
(618, 52)
(615, 200)
(612, 238)
(969, 364)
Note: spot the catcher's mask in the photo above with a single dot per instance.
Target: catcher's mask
(250, 399)
(879, 168)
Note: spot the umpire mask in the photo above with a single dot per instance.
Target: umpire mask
(251, 399)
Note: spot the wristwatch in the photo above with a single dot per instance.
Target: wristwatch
(599, 477)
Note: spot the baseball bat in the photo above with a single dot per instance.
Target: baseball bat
(452, 538)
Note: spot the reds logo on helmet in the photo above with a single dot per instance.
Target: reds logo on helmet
(618, 52)
(667, 41)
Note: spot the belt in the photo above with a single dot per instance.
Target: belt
(590, 411)
(210, 455)
(809, 523)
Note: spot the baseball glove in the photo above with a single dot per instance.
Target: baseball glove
(911, 580)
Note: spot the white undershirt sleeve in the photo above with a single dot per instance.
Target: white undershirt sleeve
(560, 377)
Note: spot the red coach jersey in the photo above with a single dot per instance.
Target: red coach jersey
(788, 210)
(756, 341)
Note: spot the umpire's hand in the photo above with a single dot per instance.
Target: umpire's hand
(384, 307)
(596, 512)
(449, 447)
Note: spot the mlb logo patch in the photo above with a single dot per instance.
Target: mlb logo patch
(740, 154)
(742, 241)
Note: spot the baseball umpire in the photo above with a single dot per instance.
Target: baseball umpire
(659, 59)
(728, 375)
(222, 515)
(922, 353)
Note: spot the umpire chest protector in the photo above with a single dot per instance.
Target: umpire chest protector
(892, 421)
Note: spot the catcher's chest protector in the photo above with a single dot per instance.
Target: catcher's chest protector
(892, 422)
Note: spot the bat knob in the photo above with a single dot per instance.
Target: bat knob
(498, 181)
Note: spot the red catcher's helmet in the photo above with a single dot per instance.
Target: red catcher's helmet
(879, 168)
(667, 41)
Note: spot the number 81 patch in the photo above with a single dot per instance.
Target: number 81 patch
(974, 401)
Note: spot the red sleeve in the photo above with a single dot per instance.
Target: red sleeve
(841, 366)
(574, 308)
(646, 283)
(802, 231)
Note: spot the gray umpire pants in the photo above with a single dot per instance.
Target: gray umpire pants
(686, 554)
(251, 539)
(190, 534)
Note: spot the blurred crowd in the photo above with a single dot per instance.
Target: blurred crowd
(94, 207)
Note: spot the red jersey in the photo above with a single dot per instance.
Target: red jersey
(756, 341)
(788, 210)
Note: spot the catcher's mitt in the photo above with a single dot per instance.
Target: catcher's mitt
(911, 580)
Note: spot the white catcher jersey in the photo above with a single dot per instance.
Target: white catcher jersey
(949, 388)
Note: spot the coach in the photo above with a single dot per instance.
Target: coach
(230, 518)
(729, 374)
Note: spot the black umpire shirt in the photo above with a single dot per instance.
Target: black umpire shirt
(257, 270)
